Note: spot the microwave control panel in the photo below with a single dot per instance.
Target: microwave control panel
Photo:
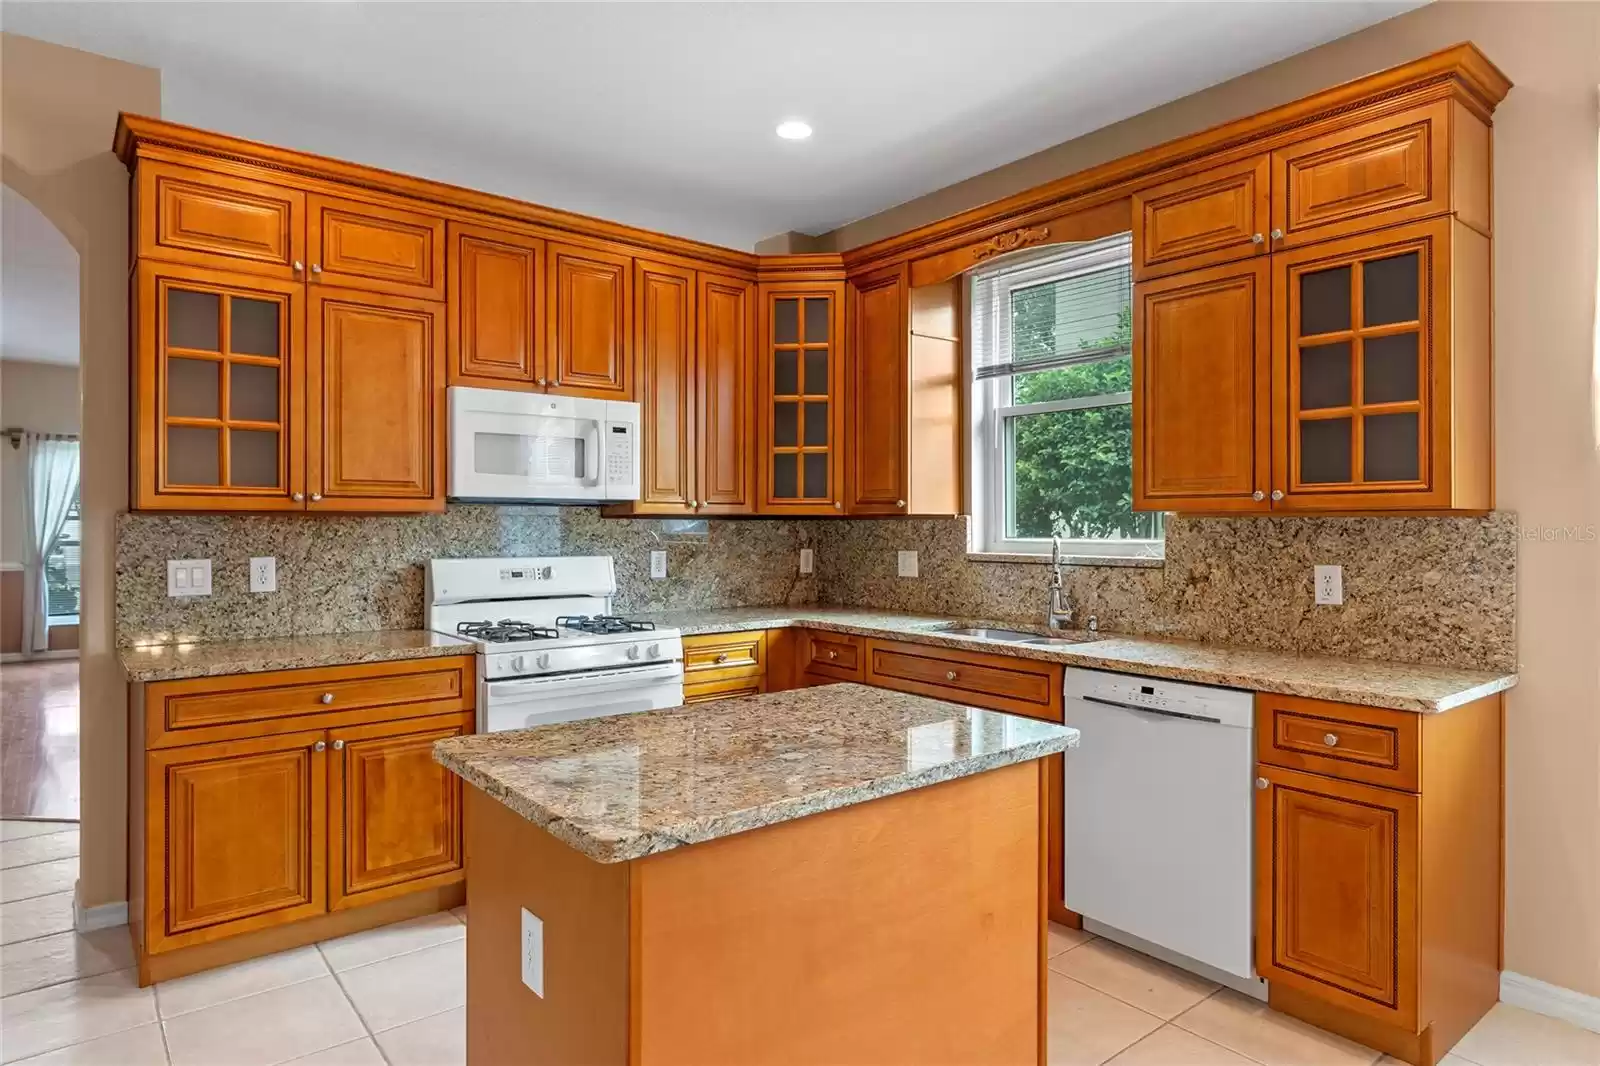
(619, 453)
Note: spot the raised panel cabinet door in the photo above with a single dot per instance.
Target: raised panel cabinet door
(218, 390)
(375, 248)
(375, 411)
(217, 220)
(590, 306)
(394, 815)
(1379, 173)
(1216, 216)
(725, 376)
(664, 346)
(235, 837)
(496, 308)
(801, 418)
(1336, 893)
(879, 462)
(1201, 393)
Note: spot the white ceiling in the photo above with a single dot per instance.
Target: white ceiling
(662, 114)
(38, 286)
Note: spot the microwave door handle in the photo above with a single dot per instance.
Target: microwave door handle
(594, 462)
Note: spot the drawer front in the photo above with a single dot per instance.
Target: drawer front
(214, 220)
(723, 688)
(1202, 220)
(379, 249)
(440, 684)
(1379, 173)
(1367, 744)
(719, 655)
(836, 656)
(991, 682)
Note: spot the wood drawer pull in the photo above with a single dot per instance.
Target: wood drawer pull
(722, 658)
(327, 697)
(1331, 739)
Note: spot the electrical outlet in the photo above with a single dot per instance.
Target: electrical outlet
(658, 565)
(188, 577)
(808, 561)
(533, 952)
(1330, 584)
(907, 562)
(263, 574)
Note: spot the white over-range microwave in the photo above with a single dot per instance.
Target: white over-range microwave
(528, 446)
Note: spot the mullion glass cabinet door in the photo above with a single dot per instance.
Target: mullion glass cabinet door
(803, 399)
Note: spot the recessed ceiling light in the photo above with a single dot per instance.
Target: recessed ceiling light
(794, 130)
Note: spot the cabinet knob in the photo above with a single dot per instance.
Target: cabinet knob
(900, 504)
(1277, 494)
(949, 675)
(338, 745)
(299, 497)
(1261, 783)
(694, 505)
(541, 381)
(321, 745)
(837, 506)
(298, 266)
(315, 496)
(1331, 739)
(1256, 238)
(327, 697)
(832, 654)
(1277, 234)
(722, 658)
(1258, 495)
(316, 268)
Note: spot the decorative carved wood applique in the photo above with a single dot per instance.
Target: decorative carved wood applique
(1010, 242)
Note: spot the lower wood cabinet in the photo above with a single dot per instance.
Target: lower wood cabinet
(993, 682)
(250, 835)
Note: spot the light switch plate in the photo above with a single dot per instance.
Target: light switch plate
(188, 577)
(533, 952)
(1330, 584)
(658, 565)
(263, 574)
(908, 564)
(808, 561)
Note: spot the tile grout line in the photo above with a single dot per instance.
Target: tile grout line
(1135, 1006)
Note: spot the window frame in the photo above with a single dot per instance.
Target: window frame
(991, 412)
(75, 519)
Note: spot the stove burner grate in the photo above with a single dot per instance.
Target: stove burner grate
(603, 623)
(505, 631)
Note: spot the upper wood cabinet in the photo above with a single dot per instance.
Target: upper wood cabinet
(664, 347)
(725, 387)
(379, 249)
(801, 419)
(375, 402)
(1216, 216)
(1201, 402)
(590, 308)
(495, 307)
(905, 396)
(218, 220)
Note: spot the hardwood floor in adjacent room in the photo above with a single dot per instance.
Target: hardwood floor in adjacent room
(39, 739)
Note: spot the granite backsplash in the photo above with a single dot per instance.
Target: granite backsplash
(1424, 590)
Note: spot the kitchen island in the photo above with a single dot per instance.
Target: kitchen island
(832, 875)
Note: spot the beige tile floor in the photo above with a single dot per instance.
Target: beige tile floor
(395, 996)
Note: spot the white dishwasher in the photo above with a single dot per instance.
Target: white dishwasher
(1158, 817)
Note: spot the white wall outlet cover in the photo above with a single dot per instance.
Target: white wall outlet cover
(658, 565)
(188, 577)
(1329, 582)
(263, 574)
(808, 561)
(533, 952)
(907, 562)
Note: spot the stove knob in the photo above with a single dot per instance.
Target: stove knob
(544, 660)
(633, 651)
(519, 663)
(655, 651)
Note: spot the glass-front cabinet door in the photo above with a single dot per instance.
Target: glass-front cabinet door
(802, 420)
(1359, 425)
(218, 379)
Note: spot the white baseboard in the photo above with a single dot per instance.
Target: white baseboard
(105, 916)
(1541, 997)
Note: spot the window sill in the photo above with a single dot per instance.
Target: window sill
(1147, 562)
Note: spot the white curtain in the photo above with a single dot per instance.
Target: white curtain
(52, 486)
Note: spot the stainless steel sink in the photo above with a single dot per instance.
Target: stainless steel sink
(1085, 639)
(1013, 636)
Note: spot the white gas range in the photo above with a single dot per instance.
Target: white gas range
(549, 648)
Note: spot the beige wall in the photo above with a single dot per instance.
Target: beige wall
(1547, 468)
(37, 396)
(58, 110)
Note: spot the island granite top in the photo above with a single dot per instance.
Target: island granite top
(626, 786)
(1420, 688)
(169, 662)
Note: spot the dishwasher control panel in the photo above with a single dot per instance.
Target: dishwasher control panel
(1225, 706)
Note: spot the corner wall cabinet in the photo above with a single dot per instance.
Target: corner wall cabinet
(801, 419)
(276, 809)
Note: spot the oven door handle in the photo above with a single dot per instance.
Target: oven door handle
(529, 686)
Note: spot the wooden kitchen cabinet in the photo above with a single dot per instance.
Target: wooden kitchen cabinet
(394, 815)
(375, 402)
(375, 248)
(723, 665)
(590, 309)
(802, 390)
(994, 682)
(495, 307)
(725, 387)
(1217, 216)
(664, 349)
(206, 219)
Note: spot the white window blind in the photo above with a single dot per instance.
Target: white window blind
(1086, 290)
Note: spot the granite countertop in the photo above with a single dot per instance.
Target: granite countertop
(1371, 682)
(626, 786)
(169, 662)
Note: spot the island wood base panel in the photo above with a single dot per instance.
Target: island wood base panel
(908, 929)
